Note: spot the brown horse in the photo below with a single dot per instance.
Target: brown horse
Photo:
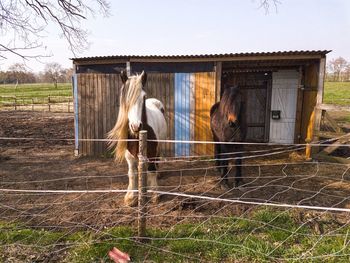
(227, 123)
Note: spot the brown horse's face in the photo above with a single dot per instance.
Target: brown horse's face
(230, 110)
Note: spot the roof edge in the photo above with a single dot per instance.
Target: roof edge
(212, 57)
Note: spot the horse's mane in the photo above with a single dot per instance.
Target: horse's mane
(230, 96)
(130, 91)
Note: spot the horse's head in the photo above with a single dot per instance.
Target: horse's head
(133, 97)
(230, 107)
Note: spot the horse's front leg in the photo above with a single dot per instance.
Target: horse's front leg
(217, 151)
(217, 155)
(152, 181)
(223, 168)
(130, 198)
(238, 177)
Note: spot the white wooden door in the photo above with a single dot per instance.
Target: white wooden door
(284, 98)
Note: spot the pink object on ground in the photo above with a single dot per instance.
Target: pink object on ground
(118, 256)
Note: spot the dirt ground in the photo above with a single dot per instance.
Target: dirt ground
(48, 163)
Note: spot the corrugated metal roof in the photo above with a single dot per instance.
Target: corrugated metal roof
(209, 56)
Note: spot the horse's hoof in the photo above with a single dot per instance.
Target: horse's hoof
(130, 200)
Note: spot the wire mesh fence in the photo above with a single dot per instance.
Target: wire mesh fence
(56, 207)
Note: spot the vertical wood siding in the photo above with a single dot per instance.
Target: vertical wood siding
(309, 100)
(161, 87)
(182, 112)
(187, 98)
(98, 103)
(204, 99)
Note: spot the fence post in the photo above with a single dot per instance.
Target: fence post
(48, 102)
(142, 185)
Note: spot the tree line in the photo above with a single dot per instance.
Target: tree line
(338, 69)
(52, 73)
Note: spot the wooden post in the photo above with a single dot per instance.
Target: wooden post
(142, 185)
(48, 102)
(77, 112)
(128, 68)
(319, 100)
(218, 73)
(299, 111)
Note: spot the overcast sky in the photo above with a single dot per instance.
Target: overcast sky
(162, 27)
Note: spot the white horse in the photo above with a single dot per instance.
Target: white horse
(137, 113)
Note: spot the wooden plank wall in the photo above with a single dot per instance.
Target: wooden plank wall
(204, 98)
(182, 112)
(309, 101)
(187, 98)
(98, 103)
(161, 87)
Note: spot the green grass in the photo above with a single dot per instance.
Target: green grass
(337, 93)
(35, 93)
(266, 236)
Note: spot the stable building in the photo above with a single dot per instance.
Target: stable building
(281, 92)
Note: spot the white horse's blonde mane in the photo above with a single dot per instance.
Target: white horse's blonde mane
(130, 92)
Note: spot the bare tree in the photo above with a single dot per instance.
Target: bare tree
(17, 67)
(53, 72)
(67, 75)
(267, 4)
(26, 22)
(347, 73)
(337, 67)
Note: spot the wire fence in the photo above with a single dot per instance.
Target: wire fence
(44, 103)
(60, 208)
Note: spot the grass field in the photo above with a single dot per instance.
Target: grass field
(35, 93)
(267, 236)
(337, 93)
(37, 90)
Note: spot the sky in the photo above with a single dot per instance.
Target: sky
(164, 27)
